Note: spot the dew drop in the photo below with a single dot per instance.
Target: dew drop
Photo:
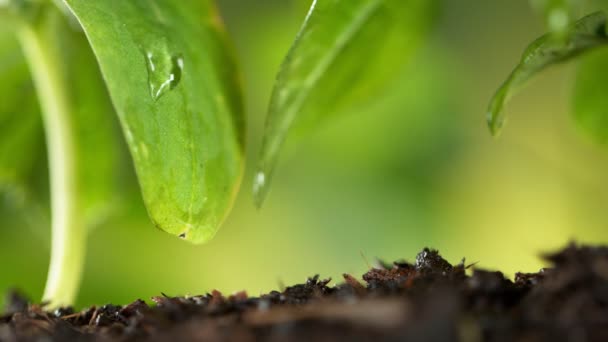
(260, 180)
(164, 72)
(259, 188)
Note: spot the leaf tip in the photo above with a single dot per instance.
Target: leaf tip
(494, 124)
(197, 235)
(494, 116)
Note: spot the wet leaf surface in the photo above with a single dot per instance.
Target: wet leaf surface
(174, 86)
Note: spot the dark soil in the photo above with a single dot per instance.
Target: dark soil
(427, 300)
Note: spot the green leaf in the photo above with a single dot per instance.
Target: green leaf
(174, 86)
(346, 52)
(90, 116)
(586, 34)
(23, 169)
(590, 98)
(20, 123)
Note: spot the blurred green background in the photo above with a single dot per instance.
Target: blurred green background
(416, 168)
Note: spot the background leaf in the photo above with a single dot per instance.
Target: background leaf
(345, 53)
(174, 86)
(20, 122)
(78, 124)
(586, 34)
(90, 114)
(590, 98)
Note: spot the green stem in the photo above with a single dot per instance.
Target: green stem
(68, 232)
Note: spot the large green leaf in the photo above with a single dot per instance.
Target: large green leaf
(590, 98)
(173, 83)
(586, 34)
(345, 53)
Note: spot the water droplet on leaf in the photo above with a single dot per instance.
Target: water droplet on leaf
(259, 188)
(164, 72)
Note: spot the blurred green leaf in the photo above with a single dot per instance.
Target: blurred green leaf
(175, 88)
(590, 98)
(23, 193)
(586, 34)
(89, 113)
(21, 137)
(344, 55)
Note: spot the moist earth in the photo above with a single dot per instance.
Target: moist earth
(428, 299)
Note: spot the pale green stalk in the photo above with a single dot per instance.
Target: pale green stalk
(68, 231)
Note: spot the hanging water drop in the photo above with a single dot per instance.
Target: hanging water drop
(164, 72)
(259, 188)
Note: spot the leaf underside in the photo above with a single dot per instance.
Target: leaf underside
(175, 88)
(586, 34)
(345, 53)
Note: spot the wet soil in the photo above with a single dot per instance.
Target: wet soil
(428, 299)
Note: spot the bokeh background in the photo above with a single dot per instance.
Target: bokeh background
(416, 168)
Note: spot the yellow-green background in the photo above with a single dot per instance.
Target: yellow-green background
(418, 168)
